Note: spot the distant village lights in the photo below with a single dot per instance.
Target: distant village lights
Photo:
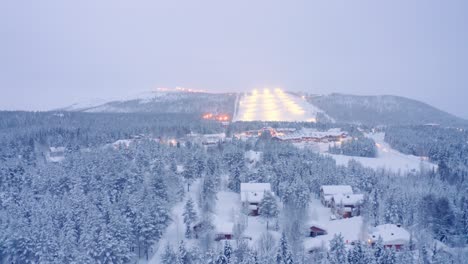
(217, 117)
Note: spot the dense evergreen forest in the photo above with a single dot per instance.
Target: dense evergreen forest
(111, 204)
(447, 147)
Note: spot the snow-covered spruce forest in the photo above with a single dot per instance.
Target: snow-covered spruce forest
(114, 203)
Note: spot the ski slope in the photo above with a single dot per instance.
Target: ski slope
(275, 105)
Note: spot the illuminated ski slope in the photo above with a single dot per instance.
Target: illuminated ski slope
(274, 105)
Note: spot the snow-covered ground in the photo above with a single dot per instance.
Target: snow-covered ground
(387, 158)
(274, 105)
(175, 232)
(227, 211)
(350, 228)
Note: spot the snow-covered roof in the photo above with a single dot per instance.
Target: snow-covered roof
(224, 227)
(218, 136)
(214, 138)
(253, 155)
(180, 168)
(253, 207)
(255, 186)
(336, 189)
(285, 129)
(57, 149)
(391, 234)
(316, 224)
(311, 133)
(122, 143)
(253, 192)
(55, 159)
(348, 199)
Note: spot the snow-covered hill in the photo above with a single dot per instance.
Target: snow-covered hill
(381, 110)
(277, 105)
(173, 101)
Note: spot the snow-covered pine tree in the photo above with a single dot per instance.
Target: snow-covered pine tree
(183, 257)
(266, 247)
(190, 216)
(337, 252)
(405, 256)
(284, 254)
(379, 250)
(368, 254)
(210, 257)
(389, 256)
(221, 259)
(208, 193)
(268, 208)
(169, 256)
(356, 254)
(227, 251)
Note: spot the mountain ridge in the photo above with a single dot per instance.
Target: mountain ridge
(372, 109)
(343, 108)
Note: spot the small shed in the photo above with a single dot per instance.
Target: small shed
(316, 230)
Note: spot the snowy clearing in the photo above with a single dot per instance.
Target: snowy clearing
(350, 228)
(387, 157)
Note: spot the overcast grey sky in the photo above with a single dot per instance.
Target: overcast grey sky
(54, 53)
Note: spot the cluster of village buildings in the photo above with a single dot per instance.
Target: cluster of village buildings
(341, 199)
(297, 135)
(209, 140)
(343, 202)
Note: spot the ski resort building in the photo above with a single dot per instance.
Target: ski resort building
(392, 236)
(312, 135)
(213, 139)
(327, 192)
(252, 194)
(206, 139)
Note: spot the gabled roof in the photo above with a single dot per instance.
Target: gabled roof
(391, 234)
(253, 155)
(348, 199)
(252, 187)
(312, 133)
(224, 228)
(316, 225)
(336, 189)
(57, 149)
